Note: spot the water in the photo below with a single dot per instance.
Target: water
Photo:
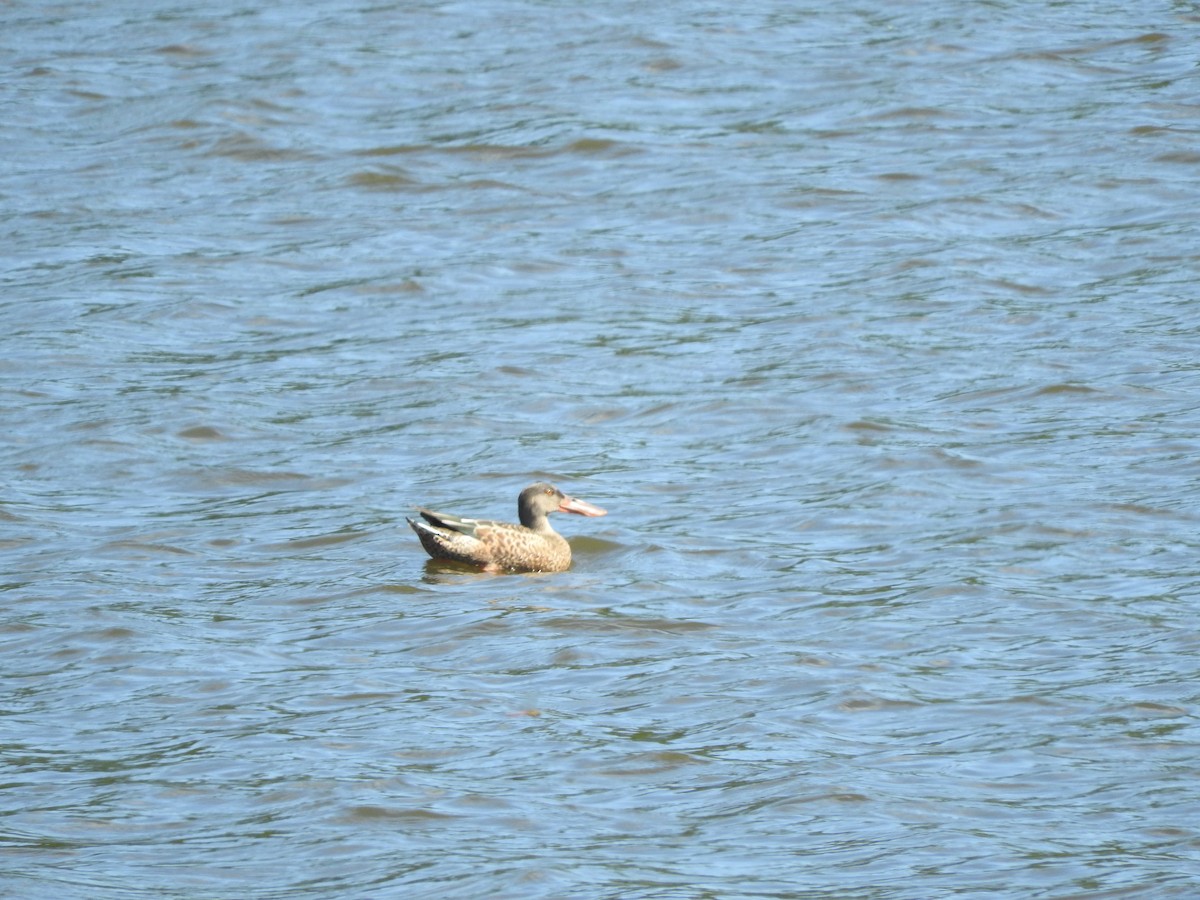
(872, 327)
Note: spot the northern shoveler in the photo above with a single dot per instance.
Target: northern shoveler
(532, 546)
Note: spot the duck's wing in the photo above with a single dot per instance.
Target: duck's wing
(461, 524)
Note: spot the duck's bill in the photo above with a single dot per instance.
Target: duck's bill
(572, 504)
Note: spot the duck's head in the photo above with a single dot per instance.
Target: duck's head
(538, 500)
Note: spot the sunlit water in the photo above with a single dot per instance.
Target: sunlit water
(873, 327)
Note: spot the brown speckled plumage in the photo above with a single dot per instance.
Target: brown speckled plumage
(532, 546)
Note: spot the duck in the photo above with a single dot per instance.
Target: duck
(532, 546)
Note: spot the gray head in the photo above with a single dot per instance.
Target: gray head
(537, 500)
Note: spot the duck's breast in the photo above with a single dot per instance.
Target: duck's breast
(519, 548)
